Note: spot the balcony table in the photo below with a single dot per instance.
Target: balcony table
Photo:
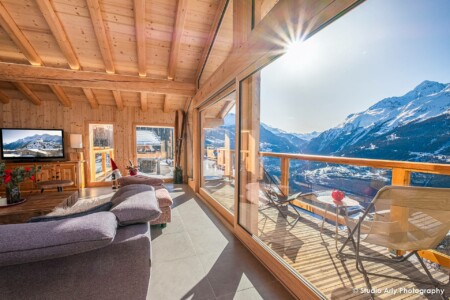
(326, 199)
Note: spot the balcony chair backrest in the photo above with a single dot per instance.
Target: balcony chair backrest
(407, 218)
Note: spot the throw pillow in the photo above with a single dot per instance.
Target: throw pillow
(80, 208)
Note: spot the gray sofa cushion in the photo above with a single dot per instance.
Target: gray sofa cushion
(24, 243)
(135, 204)
(139, 179)
(117, 197)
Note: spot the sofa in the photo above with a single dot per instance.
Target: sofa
(103, 255)
(162, 194)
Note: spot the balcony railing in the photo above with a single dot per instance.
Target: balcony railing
(105, 169)
(401, 175)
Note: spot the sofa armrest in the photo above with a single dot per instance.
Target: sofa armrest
(25, 243)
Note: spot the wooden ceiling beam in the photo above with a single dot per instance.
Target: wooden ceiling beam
(93, 80)
(91, 98)
(118, 99)
(211, 37)
(14, 32)
(144, 102)
(176, 37)
(270, 38)
(57, 29)
(24, 44)
(24, 89)
(4, 98)
(100, 33)
(139, 19)
(60, 35)
(61, 95)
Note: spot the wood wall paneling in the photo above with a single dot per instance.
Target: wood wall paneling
(50, 114)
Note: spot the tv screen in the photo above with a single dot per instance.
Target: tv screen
(32, 144)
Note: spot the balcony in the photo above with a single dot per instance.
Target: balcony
(312, 255)
(101, 159)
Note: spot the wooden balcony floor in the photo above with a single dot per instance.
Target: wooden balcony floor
(314, 257)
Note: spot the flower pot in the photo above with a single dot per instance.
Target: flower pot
(13, 195)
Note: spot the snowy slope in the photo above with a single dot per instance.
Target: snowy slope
(427, 101)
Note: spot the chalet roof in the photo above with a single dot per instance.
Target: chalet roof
(146, 137)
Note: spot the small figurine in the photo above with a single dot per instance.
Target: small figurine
(115, 174)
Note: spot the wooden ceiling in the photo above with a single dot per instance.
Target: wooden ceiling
(141, 53)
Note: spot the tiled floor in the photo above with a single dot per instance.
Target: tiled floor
(197, 257)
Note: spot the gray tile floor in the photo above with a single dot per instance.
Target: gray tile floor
(197, 257)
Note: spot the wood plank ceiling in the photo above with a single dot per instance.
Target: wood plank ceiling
(139, 53)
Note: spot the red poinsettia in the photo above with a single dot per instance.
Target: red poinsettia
(13, 178)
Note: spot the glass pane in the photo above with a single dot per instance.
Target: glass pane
(101, 151)
(155, 151)
(344, 123)
(218, 122)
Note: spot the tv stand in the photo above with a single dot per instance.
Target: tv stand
(51, 170)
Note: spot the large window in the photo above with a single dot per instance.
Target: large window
(155, 150)
(101, 150)
(218, 150)
(360, 105)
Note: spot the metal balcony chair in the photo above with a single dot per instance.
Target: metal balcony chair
(277, 198)
(402, 218)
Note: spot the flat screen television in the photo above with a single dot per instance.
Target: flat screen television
(32, 144)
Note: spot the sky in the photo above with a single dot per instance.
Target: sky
(12, 135)
(381, 48)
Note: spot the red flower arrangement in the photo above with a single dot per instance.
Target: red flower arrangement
(12, 179)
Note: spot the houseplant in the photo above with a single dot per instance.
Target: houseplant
(132, 168)
(12, 178)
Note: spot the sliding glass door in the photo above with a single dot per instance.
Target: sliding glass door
(218, 127)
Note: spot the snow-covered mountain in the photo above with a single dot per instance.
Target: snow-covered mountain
(394, 128)
(271, 139)
(37, 141)
(308, 136)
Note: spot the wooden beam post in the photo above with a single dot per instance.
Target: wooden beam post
(139, 19)
(176, 38)
(24, 89)
(118, 99)
(400, 177)
(100, 33)
(285, 176)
